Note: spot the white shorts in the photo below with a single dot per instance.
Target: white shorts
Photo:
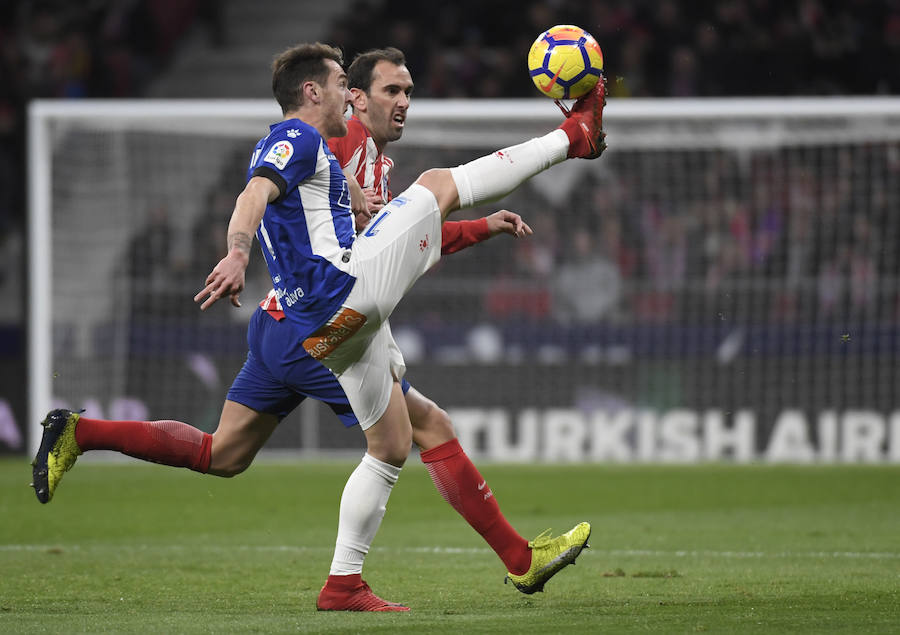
(400, 244)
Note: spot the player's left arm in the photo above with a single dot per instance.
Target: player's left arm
(457, 235)
(227, 277)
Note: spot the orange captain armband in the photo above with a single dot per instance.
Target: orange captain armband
(338, 330)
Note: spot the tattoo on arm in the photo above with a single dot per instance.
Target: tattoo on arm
(240, 240)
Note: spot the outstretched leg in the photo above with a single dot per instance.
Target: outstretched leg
(496, 175)
(67, 435)
(241, 433)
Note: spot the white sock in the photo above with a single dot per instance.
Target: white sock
(362, 507)
(496, 175)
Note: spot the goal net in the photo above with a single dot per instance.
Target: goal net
(721, 285)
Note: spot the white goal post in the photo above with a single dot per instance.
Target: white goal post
(665, 368)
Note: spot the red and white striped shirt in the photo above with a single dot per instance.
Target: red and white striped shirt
(358, 152)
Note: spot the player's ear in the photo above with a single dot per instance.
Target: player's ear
(311, 92)
(360, 100)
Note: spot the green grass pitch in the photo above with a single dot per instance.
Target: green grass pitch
(138, 548)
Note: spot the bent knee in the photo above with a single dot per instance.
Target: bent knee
(393, 449)
(433, 177)
(440, 182)
(396, 452)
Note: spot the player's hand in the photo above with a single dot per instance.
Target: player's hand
(357, 196)
(373, 204)
(225, 280)
(507, 222)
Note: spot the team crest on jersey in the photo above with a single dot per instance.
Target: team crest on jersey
(279, 154)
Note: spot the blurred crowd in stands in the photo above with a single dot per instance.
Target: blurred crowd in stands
(71, 50)
(472, 48)
(802, 234)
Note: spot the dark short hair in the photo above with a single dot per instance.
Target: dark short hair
(359, 74)
(299, 64)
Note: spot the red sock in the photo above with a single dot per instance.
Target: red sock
(459, 482)
(168, 442)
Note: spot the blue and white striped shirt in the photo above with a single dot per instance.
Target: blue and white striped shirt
(308, 230)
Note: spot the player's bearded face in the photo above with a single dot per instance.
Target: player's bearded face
(388, 101)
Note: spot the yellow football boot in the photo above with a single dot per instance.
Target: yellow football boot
(549, 556)
(57, 454)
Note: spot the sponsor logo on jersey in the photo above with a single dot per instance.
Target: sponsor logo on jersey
(279, 154)
(288, 298)
(323, 342)
(293, 133)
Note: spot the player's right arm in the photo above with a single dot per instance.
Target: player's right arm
(227, 277)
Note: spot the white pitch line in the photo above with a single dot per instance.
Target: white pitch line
(639, 553)
(751, 554)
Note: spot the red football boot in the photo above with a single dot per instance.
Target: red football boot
(584, 123)
(351, 593)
